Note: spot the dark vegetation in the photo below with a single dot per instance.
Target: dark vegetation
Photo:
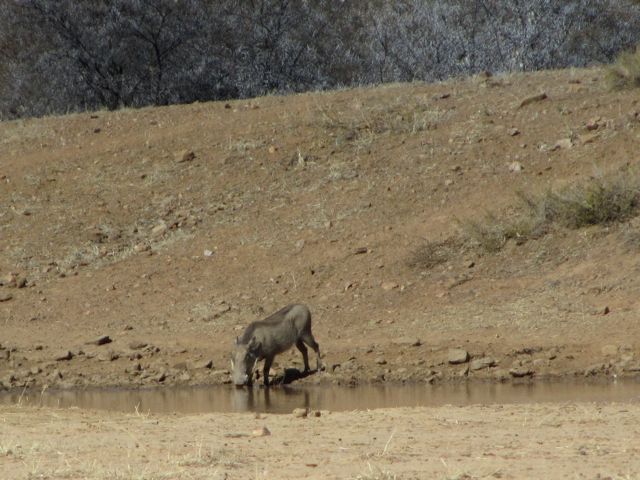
(68, 55)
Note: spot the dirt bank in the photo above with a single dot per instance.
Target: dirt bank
(167, 230)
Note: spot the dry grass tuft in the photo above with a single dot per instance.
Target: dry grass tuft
(625, 71)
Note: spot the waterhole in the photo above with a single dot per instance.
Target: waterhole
(285, 399)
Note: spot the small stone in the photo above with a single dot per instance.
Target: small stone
(137, 345)
(407, 341)
(206, 364)
(481, 363)
(141, 247)
(533, 99)
(300, 412)
(103, 340)
(159, 230)
(9, 280)
(5, 297)
(606, 311)
(381, 361)
(563, 143)
(448, 182)
(208, 253)
(609, 350)
(361, 250)
(185, 156)
(261, 432)
(272, 149)
(161, 377)
(520, 371)
(515, 167)
(35, 370)
(514, 131)
(387, 286)
(184, 377)
(593, 124)
(594, 369)
(63, 356)
(457, 356)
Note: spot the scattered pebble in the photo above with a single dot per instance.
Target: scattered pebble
(457, 356)
(300, 412)
(261, 432)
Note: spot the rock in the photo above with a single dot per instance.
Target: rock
(162, 376)
(5, 297)
(109, 356)
(606, 311)
(634, 367)
(261, 432)
(159, 230)
(593, 124)
(609, 350)
(184, 377)
(533, 99)
(141, 247)
(300, 412)
(103, 340)
(387, 286)
(481, 363)
(594, 369)
(515, 167)
(205, 364)
(208, 253)
(67, 355)
(563, 143)
(184, 156)
(137, 345)
(9, 280)
(521, 371)
(407, 341)
(514, 131)
(381, 361)
(457, 356)
(35, 370)
(361, 250)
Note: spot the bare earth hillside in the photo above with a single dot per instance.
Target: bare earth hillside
(169, 229)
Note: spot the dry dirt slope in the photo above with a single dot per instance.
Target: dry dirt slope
(173, 227)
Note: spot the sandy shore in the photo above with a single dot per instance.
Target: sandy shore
(571, 440)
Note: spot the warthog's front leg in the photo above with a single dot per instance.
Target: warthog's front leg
(267, 366)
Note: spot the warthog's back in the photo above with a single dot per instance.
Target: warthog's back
(280, 331)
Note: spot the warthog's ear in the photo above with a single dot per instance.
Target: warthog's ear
(254, 345)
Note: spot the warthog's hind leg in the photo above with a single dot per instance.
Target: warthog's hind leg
(309, 340)
(305, 355)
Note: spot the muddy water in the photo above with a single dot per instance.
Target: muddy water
(285, 399)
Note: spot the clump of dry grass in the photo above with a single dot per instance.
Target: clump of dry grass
(603, 200)
(434, 253)
(625, 71)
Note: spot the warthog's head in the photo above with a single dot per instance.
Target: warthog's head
(243, 359)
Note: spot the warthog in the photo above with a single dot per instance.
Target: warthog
(264, 339)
